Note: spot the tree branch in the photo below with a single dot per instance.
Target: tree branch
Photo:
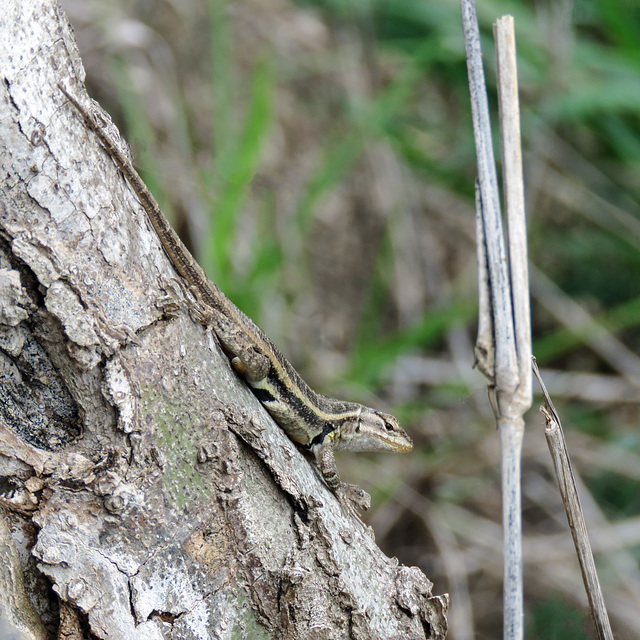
(153, 518)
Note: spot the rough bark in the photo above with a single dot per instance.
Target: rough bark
(137, 473)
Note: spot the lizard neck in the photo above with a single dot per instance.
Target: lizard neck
(306, 416)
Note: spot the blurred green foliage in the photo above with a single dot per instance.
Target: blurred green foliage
(584, 83)
(556, 619)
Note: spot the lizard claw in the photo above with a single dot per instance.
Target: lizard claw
(352, 499)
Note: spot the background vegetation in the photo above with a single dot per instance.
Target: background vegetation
(318, 158)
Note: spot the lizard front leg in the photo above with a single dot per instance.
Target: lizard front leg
(350, 496)
(247, 361)
(245, 358)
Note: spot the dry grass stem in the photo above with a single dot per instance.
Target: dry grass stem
(513, 182)
(504, 291)
(575, 516)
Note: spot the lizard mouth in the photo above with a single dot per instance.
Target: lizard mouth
(401, 447)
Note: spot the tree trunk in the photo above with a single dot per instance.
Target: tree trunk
(141, 481)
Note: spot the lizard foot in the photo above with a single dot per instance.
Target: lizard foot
(180, 292)
(171, 302)
(353, 498)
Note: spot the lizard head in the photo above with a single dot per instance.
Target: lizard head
(370, 430)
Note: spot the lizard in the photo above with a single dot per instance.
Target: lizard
(320, 424)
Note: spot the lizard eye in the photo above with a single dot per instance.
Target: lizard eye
(388, 426)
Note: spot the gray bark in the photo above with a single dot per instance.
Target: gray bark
(137, 473)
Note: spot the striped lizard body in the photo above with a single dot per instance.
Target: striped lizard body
(319, 423)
